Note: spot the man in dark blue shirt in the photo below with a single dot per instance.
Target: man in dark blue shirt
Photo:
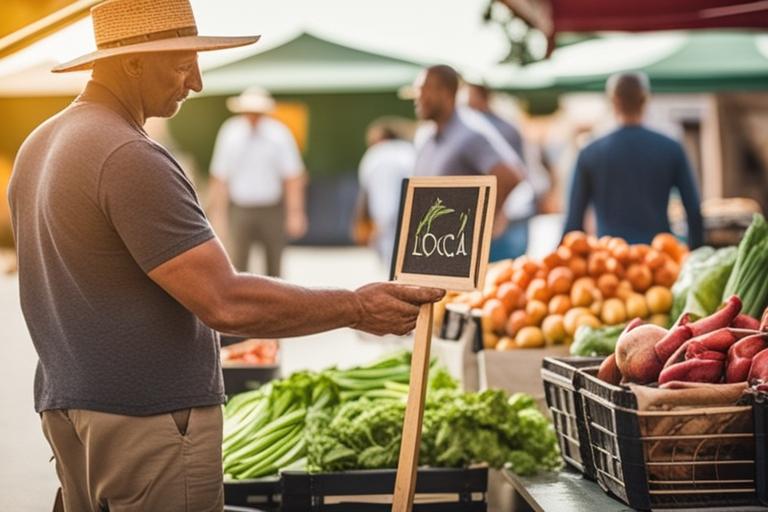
(628, 174)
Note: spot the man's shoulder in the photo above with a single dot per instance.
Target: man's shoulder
(79, 126)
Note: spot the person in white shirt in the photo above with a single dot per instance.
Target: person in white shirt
(389, 159)
(257, 171)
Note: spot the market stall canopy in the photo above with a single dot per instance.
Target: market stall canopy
(554, 16)
(703, 61)
(310, 64)
(26, 22)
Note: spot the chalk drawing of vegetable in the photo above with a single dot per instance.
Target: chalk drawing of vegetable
(435, 211)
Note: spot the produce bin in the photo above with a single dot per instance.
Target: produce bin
(437, 490)
(453, 345)
(239, 377)
(678, 458)
(245, 377)
(761, 446)
(517, 370)
(262, 493)
(565, 405)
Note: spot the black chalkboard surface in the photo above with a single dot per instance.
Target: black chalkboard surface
(444, 231)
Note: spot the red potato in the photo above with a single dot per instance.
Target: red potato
(721, 318)
(758, 371)
(609, 371)
(635, 354)
(693, 370)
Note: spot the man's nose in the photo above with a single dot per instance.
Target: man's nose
(194, 79)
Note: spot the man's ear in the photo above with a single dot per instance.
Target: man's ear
(133, 65)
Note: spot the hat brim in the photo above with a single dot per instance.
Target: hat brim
(237, 106)
(187, 43)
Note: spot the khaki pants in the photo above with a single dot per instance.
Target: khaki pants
(164, 463)
(257, 224)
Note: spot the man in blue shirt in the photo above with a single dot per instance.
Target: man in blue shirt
(628, 174)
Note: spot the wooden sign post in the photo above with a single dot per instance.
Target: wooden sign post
(443, 241)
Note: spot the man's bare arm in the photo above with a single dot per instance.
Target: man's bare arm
(204, 281)
(507, 179)
(295, 213)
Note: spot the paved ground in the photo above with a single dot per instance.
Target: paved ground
(28, 480)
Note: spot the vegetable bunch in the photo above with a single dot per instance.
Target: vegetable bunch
(352, 419)
(459, 429)
(749, 279)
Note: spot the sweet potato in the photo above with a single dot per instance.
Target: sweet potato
(741, 354)
(721, 318)
(671, 341)
(693, 370)
(635, 354)
(758, 371)
(743, 321)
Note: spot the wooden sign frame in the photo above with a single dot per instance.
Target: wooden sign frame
(481, 234)
(484, 208)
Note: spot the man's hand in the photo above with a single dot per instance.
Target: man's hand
(389, 308)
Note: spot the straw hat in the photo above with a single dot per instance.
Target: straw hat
(138, 26)
(253, 100)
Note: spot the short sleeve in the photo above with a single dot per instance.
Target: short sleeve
(151, 204)
(481, 155)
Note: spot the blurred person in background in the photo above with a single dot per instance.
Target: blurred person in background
(522, 202)
(258, 178)
(387, 162)
(451, 144)
(124, 285)
(628, 175)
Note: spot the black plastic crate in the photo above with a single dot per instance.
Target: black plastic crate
(668, 459)
(262, 494)
(352, 491)
(564, 402)
(245, 377)
(760, 409)
(240, 377)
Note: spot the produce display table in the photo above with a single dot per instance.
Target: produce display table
(568, 490)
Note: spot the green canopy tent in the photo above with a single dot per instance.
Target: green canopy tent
(676, 62)
(309, 64)
(342, 90)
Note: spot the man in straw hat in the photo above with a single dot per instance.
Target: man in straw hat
(258, 176)
(123, 282)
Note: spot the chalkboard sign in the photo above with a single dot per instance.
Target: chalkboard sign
(444, 231)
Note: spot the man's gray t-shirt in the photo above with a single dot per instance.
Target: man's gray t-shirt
(457, 150)
(95, 206)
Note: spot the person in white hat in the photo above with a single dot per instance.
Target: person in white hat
(124, 284)
(257, 175)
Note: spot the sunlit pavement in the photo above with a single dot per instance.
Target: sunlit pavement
(28, 479)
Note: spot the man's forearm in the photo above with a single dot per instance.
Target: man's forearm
(294, 194)
(265, 307)
(507, 179)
